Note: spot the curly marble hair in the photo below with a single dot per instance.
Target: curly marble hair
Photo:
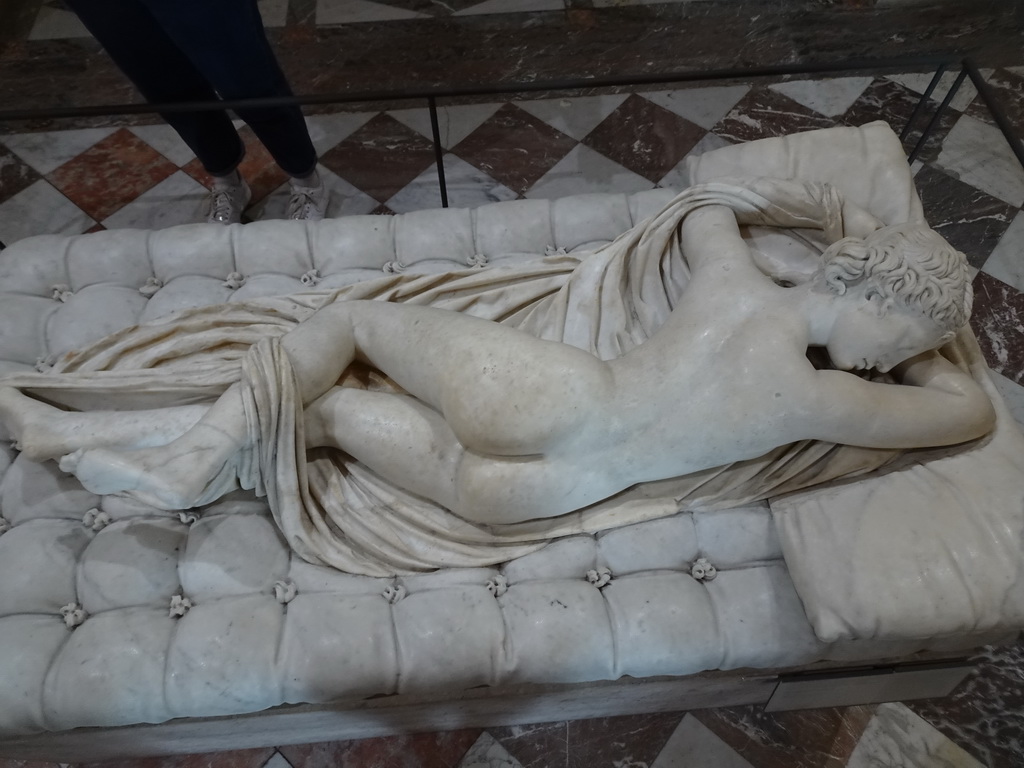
(908, 263)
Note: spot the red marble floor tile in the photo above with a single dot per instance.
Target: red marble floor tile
(606, 742)
(240, 758)
(763, 113)
(111, 174)
(514, 147)
(258, 168)
(422, 750)
(971, 220)
(817, 738)
(894, 103)
(9, 763)
(1008, 89)
(381, 157)
(15, 175)
(985, 715)
(94, 228)
(998, 320)
(645, 138)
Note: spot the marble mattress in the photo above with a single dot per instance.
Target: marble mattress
(112, 613)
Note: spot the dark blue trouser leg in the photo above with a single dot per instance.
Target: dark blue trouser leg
(162, 73)
(225, 40)
(177, 50)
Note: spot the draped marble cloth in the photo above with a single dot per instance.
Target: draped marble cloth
(336, 512)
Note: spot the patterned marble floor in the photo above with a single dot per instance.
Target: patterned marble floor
(117, 176)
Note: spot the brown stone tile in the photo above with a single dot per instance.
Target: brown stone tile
(111, 174)
(240, 758)
(423, 750)
(815, 738)
(258, 168)
(1009, 93)
(15, 175)
(972, 221)
(985, 715)
(607, 742)
(514, 147)
(381, 157)
(893, 103)
(998, 320)
(645, 138)
(763, 113)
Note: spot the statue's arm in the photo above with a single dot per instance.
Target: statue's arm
(937, 404)
(807, 204)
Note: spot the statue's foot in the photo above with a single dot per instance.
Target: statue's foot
(169, 477)
(35, 426)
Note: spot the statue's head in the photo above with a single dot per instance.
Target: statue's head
(904, 290)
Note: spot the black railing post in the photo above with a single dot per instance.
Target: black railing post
(435, 132)
(939, 72)
(938, 115)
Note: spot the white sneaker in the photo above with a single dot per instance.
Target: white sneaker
(225, 203)
(308, 203)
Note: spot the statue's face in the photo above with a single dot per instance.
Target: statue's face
(869, 335)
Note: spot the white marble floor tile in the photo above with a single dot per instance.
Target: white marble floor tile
(453, 123)
(274, 12)
(574, 117)
(40, 210)
(1013, 396)
(166, 141)
(692, 744)
(468, 187)
(511, 6)
(977, 153)
(327, 131)
(178, 199)
(488, 753)
(582, 171)
(702, 106)
(827, 97)
(1006, 262)
(48, 150)
(345, 200)
(356, 11)
(679, 177)
(55, 24)
(918, 83)
(897, 737)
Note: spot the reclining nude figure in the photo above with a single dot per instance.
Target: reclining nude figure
(501, 427)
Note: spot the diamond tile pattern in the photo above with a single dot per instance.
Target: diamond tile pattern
(514, 147)
(645, 138)
(381, 158)
(382, 163)
(110, 174)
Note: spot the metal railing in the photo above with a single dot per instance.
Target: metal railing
(939, 64)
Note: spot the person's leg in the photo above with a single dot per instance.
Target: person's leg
(226, 42)
(154, 63)
(44, 432)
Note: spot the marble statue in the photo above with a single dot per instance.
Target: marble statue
(509, 424)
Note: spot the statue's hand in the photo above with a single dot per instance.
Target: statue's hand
(858, 222)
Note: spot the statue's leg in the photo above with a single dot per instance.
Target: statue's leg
(396, 436)
(44, 432)
(501, 391)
